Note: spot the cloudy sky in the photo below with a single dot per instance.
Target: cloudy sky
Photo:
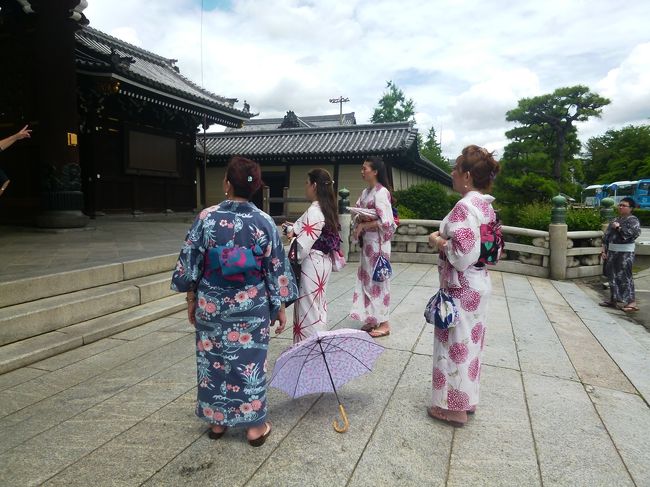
(464, 63)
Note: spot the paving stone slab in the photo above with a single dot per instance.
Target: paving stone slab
(573, 446)
(18, 376)
(540, 350)
(204, 460)
(627, 418)
(155, 325)
(64, 359)
(364, 399)
(496, 447)
(592, 363)
(517, 286)
(407, 447)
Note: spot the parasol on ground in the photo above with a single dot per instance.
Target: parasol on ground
(323, 363)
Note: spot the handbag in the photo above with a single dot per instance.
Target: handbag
(383, 270)
(441, 311)
(296, 266)
(338, 261)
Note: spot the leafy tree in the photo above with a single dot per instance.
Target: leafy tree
(393, 106)
(429, 200)
(618, 155)
(554, 114)
(430, 149)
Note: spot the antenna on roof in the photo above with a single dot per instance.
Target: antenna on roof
(340, 100)
(201, 44)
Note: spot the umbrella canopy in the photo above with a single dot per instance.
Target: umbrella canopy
(324, 362)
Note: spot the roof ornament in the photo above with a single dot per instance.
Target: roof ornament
(27, 7)
(121, 62)
(290, 121)
(247, 107)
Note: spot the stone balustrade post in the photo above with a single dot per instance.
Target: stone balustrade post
(607, 211)
(557, 231)
(345, 220)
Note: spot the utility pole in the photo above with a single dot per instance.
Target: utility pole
(340, 100)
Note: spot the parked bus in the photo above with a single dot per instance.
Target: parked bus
(638, 190)
(620, 189)
(592, 195)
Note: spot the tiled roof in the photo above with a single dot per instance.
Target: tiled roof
(306, 122)
(398, 139)
(94, 51)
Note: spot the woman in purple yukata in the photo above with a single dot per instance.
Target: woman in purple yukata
(236, 275)
(318, 237)
(457, 350)
(371, 299)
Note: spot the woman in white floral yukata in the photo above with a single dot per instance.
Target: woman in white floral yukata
(371, 299)
(457, 350)
(237, 277)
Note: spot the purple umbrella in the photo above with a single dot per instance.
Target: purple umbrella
(323, 363)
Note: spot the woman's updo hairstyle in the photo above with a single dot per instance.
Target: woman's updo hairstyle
(245, 176)
(481, 165)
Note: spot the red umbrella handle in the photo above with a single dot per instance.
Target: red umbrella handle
(341, 426)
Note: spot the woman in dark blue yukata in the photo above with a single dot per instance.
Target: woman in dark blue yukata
(237, 277)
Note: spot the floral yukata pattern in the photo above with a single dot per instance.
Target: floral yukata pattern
(618, 266)
(457, 350)
(233, 312)
(310, 310)
(371, 299)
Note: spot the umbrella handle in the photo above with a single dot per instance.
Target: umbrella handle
(341, 426)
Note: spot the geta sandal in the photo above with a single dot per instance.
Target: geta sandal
(213, 435)
(260, 441)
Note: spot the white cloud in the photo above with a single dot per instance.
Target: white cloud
(464, 63)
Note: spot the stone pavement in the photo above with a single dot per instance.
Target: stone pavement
(565, 390)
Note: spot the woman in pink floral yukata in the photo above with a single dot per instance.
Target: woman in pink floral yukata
(371, 299)
(457, 350)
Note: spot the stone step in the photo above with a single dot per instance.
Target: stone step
(36, 348)
(33, 288)
(26, 320)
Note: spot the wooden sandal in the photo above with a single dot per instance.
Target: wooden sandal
(607, 304)
(213, 435)
(630, 309)
(260, 440)
(441, 415)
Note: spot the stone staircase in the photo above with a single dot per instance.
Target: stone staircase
(50, 314)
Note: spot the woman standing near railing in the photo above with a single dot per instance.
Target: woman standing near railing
(457, 349)
(371, 298)
(618, 252)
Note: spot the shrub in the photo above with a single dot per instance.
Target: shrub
(578, 219)
(643, 216)
(429, 201)
(534, 215)
(406, 213)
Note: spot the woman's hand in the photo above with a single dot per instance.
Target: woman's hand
(436, 241)
(616, 225)
(282, 319)
(603, 254)
(191, 308)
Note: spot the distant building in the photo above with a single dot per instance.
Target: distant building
(114, 126)
(287, 148)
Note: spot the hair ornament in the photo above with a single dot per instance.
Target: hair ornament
(249, 179)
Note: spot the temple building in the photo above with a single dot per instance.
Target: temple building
(287, 148)
(114, 126)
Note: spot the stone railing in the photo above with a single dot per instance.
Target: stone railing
(556, 253)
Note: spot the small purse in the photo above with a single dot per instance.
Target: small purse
(441, 311)
(383, 270)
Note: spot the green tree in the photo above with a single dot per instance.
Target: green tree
(554, 114)
(393, 106)
(430, 149)
(618, 155)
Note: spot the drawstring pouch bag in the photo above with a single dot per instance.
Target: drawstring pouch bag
(235, 260)
(383, 271)
(441, 311)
